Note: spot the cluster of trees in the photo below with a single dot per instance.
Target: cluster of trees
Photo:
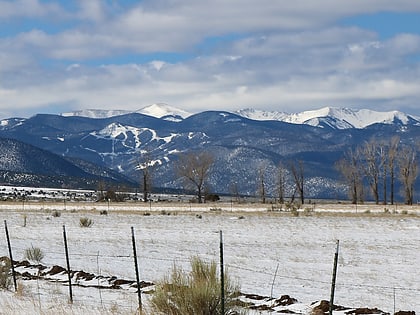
(194, 168)
(379, 165)
(375, 166)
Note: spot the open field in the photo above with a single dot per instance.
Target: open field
(378, 261)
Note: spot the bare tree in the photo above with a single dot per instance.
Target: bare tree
(281, 182)
(262, 183)
(392, 154)
(371, 167)
(407, 162)
(195, 168)
(350, 169)
(234, 191)
(297, 169)
(383, 165)
(145, 165)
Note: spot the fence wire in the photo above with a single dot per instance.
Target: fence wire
(126, 299)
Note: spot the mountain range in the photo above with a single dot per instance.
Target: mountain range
(109, 145)
(333, 117)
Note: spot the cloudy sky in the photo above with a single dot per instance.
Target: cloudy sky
(58, 56)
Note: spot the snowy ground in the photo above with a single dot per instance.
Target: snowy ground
(378, 260)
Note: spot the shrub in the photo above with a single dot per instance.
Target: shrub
(103, 212)
(56, 214)
(85, 222)
(196, 292)
(5, 276)
(34, 254)
(294, 212)
(308, 211)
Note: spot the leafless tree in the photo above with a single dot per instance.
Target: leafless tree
(262, 183)
(195, 168)
(350, 168)
(392, 154)
(234, 191)
(145, 166)
(383, 156)
(297, 170)
(281, 182)
(371, 167)
(407, 162)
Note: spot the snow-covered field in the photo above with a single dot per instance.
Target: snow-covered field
(269, 253)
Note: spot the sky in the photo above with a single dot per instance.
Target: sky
(278, 55)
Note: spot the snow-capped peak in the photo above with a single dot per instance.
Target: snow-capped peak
(160, 110)
(338, 118)
(257, 114)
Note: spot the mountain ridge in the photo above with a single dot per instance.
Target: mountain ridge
(326, 117)
(241, 146)
(334, 117)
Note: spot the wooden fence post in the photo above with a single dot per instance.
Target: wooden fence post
(137, 269)
(68, 264)
(222, 275)
(334, 278)
(10, 255)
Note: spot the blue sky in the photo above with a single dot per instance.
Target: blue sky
(290, 56)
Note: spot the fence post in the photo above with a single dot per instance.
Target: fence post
(334, 278)
(10, 254)
(274, 280)
(68, 264)
(222, 275)
(137, 269)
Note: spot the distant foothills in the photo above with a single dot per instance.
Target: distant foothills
(330, 153)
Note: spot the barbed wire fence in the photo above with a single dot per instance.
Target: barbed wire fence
(102, 264)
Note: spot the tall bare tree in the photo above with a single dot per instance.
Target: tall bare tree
(350, 168)
(407, 162)
(392, 154)
(383, 155)
(262, 183)
(234, 191)
(281, 182)
(145, 166)
(372, 167)
(297, 170)
(195, 168)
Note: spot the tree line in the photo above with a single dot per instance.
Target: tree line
(379, 165)
(374, 167)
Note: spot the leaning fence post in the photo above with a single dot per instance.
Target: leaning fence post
(136, 268)
(68, 264)
(333, 278)
(10, 255)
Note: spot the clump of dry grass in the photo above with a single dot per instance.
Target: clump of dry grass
(5, 278)
(34, 254)
(196, 292)
(85, 222)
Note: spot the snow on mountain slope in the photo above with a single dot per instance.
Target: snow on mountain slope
(132, 137)
(333, 117)
(256, 114)
(339, 118)
(96, 113)
(163, 110)
(160, 110)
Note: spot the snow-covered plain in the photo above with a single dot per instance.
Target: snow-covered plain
(378, 259)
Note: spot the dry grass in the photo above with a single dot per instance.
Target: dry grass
(196, 292)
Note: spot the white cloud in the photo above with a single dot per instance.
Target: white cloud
(284, 55)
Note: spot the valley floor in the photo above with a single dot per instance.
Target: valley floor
(269, 252)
